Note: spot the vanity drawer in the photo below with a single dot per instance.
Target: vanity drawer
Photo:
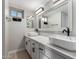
(48, 52)
(53, 54)
(42, 56)
(41, 48)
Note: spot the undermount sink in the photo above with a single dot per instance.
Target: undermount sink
(31, 34)
(68, 43)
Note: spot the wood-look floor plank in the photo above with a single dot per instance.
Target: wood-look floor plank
(19, 55)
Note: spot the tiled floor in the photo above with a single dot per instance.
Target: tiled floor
(19, 55)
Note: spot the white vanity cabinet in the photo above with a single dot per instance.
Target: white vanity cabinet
(34, 50)
(28, 45)
(39, 51)
(42, 52)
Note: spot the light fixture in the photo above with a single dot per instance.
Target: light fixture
(29, 17)
(45, 20)
(54, 1)
(39, 10)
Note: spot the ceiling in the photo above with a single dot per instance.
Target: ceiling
(30, 4)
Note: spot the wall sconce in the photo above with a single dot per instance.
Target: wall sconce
(54, 1)
(39, 10)
(45, 20)
(29, 17)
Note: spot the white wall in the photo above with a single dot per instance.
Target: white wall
(74, 18)
(27, 12)
(54, 19)
(5, 31)
(6, 28)
(14, 30)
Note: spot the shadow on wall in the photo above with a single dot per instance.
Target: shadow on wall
(22, 44)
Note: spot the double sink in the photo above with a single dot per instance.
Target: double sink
(65, 42)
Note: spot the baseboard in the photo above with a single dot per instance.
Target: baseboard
(18, 50)
(5, 57)
(14, 51)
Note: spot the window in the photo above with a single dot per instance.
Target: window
(19, 14)
(14, 12)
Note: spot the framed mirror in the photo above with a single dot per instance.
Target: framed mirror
(30, 22)
(56, 18)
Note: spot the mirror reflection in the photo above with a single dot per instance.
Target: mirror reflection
(57, 18)
(30, 22)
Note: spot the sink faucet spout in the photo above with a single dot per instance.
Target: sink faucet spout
(67, 31)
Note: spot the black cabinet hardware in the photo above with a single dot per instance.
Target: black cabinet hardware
(33, 43)
(26, 43)
(33, 49)
(40, 49)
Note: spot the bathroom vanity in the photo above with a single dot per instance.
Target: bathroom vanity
(39, 47)
(55, 18)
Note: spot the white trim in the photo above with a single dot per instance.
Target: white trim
(14, 51)
(4, 57)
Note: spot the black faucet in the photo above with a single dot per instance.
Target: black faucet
(37, 31)
(67, 31)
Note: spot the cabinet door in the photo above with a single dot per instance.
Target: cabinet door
(27, 45)
(42, 56)
(41, 48)
(35, 50)
(56, 56)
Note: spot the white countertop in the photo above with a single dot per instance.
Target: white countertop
(45, 41)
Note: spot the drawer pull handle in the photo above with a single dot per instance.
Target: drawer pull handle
(26, 43)
(33, 49)
(40, 49)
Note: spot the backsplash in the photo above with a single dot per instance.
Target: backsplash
(49, 33)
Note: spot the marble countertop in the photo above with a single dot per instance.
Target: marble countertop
(45, 41)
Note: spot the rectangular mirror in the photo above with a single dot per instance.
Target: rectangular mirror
(30, 22)
(56, 18)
